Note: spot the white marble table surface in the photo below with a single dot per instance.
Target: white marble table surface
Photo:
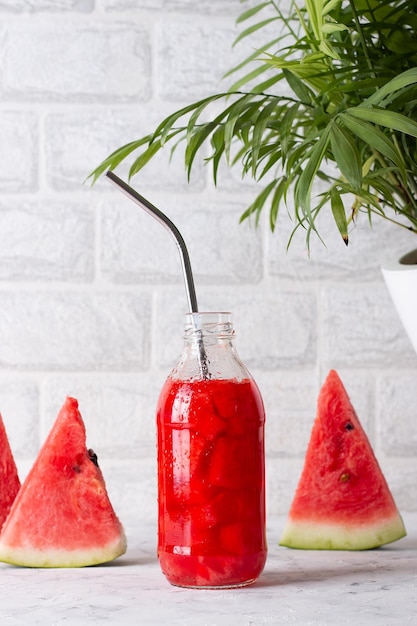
(297, 587)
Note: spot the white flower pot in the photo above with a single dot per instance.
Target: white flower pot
(401, 280)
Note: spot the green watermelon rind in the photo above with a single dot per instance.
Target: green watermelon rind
(57, 558)
(309, 535)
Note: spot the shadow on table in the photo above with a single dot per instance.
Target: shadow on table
(303, 567)
(131, 558)
(314, 572)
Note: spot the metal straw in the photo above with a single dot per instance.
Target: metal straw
(185, 259)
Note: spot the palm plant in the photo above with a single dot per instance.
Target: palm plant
(331, 97)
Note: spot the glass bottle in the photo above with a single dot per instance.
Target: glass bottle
(211, 463)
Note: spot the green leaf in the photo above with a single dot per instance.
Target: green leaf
(346, 155)
(272, 160)
(383, 187)
(315, 15)
(389, 119)
(330, 6)
(327, 49)
(236, 112)
(150, 152)
(258, 203)
(195, 142)
(266, 84)
(331, 27)
(116, 157)
(339, 214)
(286, 127)
(250, 12)
(254, 28)
(255, 56)
(217, 141)
(302, 91)
(144, 158)
(304, 184)
(375, 138)
(166, 125)
(365, 196)
(193, 120)
(277, 198)
(252, 75)
(259, 129)
(409, 77)
(314, 73)
(197, 134)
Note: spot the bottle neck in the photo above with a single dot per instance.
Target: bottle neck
(209, 327)
(209, 351)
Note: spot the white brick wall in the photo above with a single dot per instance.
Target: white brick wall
(91, 292)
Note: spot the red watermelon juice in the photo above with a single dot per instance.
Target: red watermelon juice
(211, 493)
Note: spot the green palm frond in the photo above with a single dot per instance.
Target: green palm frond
(334, 84)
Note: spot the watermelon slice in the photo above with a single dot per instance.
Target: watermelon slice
(62, 515)
(9, 478)
(342, 501)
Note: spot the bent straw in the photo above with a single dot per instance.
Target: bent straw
(165, 221)
(185, 259)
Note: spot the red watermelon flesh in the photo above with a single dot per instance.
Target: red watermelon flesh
(62, 515)
(342, 501)
(9, 478)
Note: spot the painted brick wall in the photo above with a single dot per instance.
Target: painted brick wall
(91, 292)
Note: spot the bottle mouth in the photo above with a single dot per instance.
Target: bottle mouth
(209, 323)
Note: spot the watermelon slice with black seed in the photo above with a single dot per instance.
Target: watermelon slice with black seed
(342, 501)
(62, 515)
(9, 478)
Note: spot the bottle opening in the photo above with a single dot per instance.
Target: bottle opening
(206, 324)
